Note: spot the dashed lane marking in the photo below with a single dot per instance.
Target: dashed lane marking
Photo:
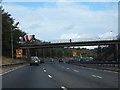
(99, 76)
(64, 88)
(44, 70)
(67, 68)
(75, 70)
(49, 76)
(96, 76)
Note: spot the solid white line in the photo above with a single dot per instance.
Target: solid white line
(98, 69)
(49, 76)
(75, 70)
(12, 70)
(64, 88)
(110, 71)
(8, 71)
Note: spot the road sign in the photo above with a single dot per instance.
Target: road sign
(19, 53)
(74, 53)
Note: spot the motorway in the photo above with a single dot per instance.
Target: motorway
(59, 75)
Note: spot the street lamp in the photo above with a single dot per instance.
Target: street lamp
(12, 47)
(12, 41)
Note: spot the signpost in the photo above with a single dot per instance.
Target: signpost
(19, 53)
(74, 53)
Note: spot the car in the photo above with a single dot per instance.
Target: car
(34, 61)
(60, 60)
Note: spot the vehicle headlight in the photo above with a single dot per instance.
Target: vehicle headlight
(36, 61)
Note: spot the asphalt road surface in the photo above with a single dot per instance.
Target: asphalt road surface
(59, 75)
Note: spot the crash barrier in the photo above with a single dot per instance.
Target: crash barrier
(109, 64)
(12, 64)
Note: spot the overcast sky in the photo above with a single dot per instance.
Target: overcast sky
(59, 20)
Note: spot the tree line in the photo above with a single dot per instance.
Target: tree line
(9, 26)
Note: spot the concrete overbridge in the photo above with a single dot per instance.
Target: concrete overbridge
(115, 43)
(69, 44)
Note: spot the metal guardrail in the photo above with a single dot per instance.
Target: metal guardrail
(112, 64)
(11, 64)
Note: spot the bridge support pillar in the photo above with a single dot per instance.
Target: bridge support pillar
(27, 53)
(116, 56)
(50, 53)
(36, 52)
(116, 52)
(43, 52)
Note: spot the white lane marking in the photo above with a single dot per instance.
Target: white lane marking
(44, 70)
(75, 70)
(8, 71)
(82, 67)
(110, 71)
(67, 68)
(87, 68)
(49, 76)
(12, 70)
(64, 88)
(97, 76)
(94, 75)
(98, 69)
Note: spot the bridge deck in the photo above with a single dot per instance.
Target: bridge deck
(68, 44)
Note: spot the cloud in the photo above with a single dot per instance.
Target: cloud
(77, 36)
(70, 36)
(61, 0)
(69, 20)
(88, 37)
(108, 35)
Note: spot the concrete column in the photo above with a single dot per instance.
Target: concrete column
(43, 52)
(116, 52)
(26, 53)
(36, 52)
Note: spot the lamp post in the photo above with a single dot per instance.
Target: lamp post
(12, 46)
(12, 41)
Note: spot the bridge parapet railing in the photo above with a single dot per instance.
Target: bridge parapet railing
(80, 40)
